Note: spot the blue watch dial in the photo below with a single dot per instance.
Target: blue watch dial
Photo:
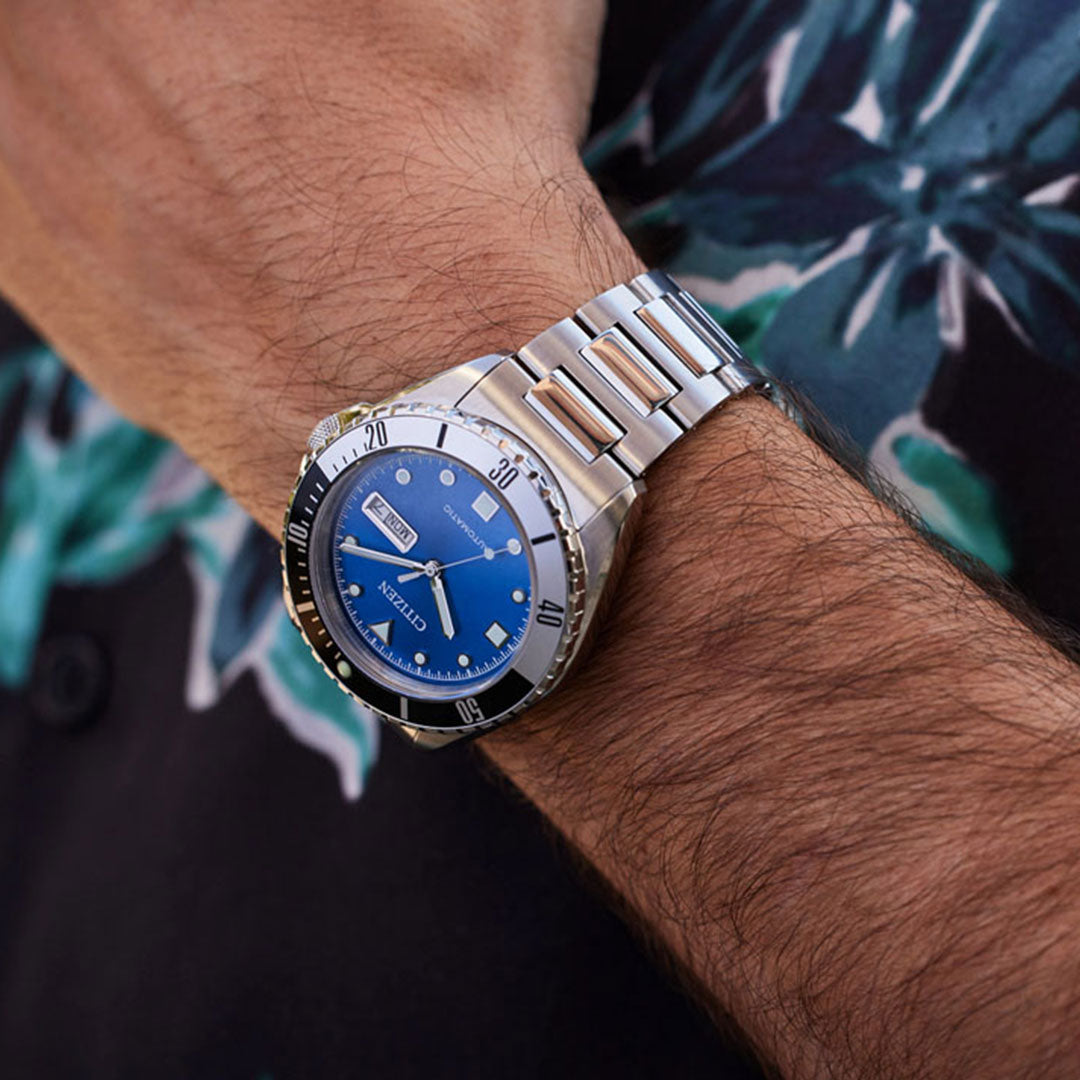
(431, 568)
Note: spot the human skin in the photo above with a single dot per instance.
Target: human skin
(825, 769)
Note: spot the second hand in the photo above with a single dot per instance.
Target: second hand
(488, 553)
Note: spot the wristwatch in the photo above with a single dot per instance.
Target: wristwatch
(446, 551)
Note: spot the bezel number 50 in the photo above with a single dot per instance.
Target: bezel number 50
(469, 710)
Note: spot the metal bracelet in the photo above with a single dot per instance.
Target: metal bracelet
(616, 384)
(632, 371)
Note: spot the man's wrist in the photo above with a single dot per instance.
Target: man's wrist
(454, 284)
(672, 615)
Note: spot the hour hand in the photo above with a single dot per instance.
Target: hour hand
(379, 556)
(443, 605)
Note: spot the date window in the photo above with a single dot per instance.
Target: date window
(389, 522)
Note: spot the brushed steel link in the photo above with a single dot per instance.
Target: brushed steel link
(698, 394)
(737, 378)
(698, 400)
(609, 308)
(737, 372)
(653, 284)
(645, 438)
(557, 346)
(706, 326)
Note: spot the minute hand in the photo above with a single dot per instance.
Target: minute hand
(380, 556)
(442, 605)
(459, 562)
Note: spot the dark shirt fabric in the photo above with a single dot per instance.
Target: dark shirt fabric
(213, 865)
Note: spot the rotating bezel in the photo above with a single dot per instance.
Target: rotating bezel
(554, 552)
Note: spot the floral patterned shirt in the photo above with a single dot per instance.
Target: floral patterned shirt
(214, 864)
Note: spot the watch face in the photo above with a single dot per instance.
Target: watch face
(429, 564)
(431, 568)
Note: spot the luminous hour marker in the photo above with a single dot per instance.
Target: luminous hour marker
(513, 546)
(485, 506)
(496, 635)
(464, 660)
(382, 630)
(350, 540)
(518, 596)
(356, 590)
(403, 476)
(420, 658)
(447, 478)
(343, 669)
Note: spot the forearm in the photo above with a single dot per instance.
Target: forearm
(827, 771)
(823, 768)
(234, 219)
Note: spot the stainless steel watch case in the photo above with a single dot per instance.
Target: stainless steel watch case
(573, 571)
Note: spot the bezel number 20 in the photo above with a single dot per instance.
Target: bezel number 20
(374, 436)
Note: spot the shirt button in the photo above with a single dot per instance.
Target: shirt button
(69, 682)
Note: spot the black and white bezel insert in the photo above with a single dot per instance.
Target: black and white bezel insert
(554, 552)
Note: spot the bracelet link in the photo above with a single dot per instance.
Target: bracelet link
(628, 370)
(573, 415)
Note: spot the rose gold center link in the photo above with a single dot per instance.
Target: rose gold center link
(676, 333)
(565, 408)
(628, 370)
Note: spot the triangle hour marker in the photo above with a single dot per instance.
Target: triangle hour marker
(382, 630)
